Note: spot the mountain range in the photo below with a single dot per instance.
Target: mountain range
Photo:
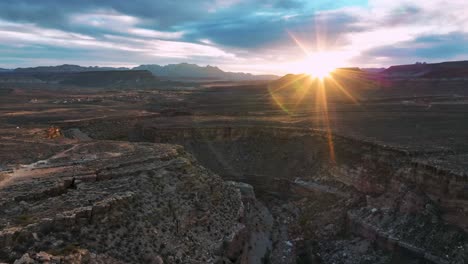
(452, 69)
(188, 71)
(171, 72)
(65, 68)
(193, 72)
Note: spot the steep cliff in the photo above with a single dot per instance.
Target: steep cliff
(385, 182)
(117, 202)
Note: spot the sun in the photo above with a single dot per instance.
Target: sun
(320, 72)
(321, 64)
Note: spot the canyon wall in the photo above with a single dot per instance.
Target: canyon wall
(407, 201)
(369, 167)
(396, 198)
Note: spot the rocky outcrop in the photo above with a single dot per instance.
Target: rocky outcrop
(421, 235)
(110, 128)
(369, 167)
(301, 162)
(349, 174)
(117, 202)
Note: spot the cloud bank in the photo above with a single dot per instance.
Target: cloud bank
(238, 35)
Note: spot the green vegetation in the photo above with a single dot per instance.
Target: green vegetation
(24, 220)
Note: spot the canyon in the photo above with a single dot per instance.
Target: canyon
(224, 174)
(357, 189)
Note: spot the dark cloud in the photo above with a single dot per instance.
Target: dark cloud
(243, 24)
(264, 29)
(442, 46)
(424, 48)
(161, 13)
(288, 4)
(405, 14)
(235, 25)
(55, 13)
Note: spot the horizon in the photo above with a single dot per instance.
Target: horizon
(268, 37)
(131, 67)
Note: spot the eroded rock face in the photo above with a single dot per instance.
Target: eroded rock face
(373, 191)
(117, 202)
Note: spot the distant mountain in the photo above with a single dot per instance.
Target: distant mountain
(66, 68)
(453, 69)
(5, 70)
(373, 70)
(73, 76)
(110, 78)
(181, 71)
(193, 71)
(348, 69)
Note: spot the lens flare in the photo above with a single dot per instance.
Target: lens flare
(320, 74)
(321, 64)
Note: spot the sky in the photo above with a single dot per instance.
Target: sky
(263, 36)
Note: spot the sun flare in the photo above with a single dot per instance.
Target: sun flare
(320, 72)
(321, 64)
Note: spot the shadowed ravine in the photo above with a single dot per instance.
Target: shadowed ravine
(372, 203)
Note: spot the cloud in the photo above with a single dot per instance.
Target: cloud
(234, 33)
(107, 22)
(403, 31)
(430, 48)
(22, 40)
(266, 29)
(55, 13)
